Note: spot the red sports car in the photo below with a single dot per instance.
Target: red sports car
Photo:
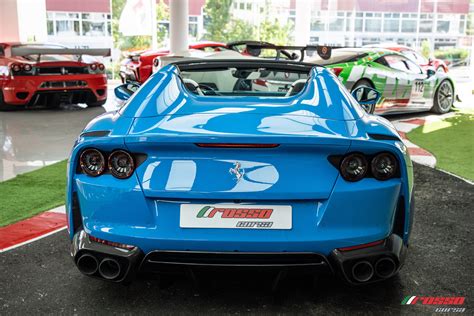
(434, 63)
(138, 66)
(50, 75)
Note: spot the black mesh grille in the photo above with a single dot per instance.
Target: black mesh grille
(61, 70)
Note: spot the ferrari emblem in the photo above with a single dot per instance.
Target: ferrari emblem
(239, 173)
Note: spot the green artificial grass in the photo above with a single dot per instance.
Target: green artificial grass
(451, 141)
(31, 193)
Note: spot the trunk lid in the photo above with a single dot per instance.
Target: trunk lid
(181, 165)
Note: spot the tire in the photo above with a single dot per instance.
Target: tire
(365, 83)
(443, 98)
(96, 104)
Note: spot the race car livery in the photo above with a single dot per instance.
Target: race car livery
(405, 87)
(49, 75)
(425, 63)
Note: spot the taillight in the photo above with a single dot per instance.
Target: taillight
(384, 166)
(368, 245)
(93, 67)
(229, 145)
(336, 71)
(354, 167)
(156, 62)
(101, 67)
(92, 162)
(121, 164)
(27, 67)
(16, 67)
(260, 82)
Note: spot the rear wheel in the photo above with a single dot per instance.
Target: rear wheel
(443, 98)
(365, 83)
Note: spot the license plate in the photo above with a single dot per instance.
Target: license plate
(235, 216)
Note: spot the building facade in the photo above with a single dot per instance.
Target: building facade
(87, 23)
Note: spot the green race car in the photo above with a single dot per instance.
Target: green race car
(405, 87)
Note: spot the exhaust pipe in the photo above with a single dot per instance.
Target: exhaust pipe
(109, 268)
(362, 271)
(385, 267)
(87, 264)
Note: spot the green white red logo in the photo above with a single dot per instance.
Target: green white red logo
(430, 300)
(225, 212)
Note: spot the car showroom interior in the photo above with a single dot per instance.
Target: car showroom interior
(201, 157)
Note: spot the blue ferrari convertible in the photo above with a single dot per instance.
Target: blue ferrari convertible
(253, 163)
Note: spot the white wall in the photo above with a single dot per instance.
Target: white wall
(32, 20)
(9, 31)
(23, 20)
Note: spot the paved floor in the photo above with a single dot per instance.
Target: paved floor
(40, 278)
(35, 138)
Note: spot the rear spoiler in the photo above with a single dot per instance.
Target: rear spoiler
(324, 51)
(24, 51)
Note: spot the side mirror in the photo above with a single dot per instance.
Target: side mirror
(366, 97)
(125, 91)
(430, 72)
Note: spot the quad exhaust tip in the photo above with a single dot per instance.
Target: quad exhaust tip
(87, 264)
(362, 271)
(385, 267)
(109, 269)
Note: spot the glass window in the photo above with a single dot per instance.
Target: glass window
(462, 25)
(408, 26)
(336, 25)
(426, 26)
(67, 28)
(50, 27)
(391, 25)
(249, 6)
(442, 27)
(397, 62)
(373, 25)
(93, 28)
(242, 6)
(358, 25)
(317, 24)
(412, 67)
(234, 82)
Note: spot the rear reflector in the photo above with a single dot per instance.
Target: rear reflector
(370, 244)
(110, 243)
(220, 145)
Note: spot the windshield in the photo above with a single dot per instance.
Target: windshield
(234, 81)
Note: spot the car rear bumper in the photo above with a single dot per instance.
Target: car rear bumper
(53, 89)
(133, 261)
